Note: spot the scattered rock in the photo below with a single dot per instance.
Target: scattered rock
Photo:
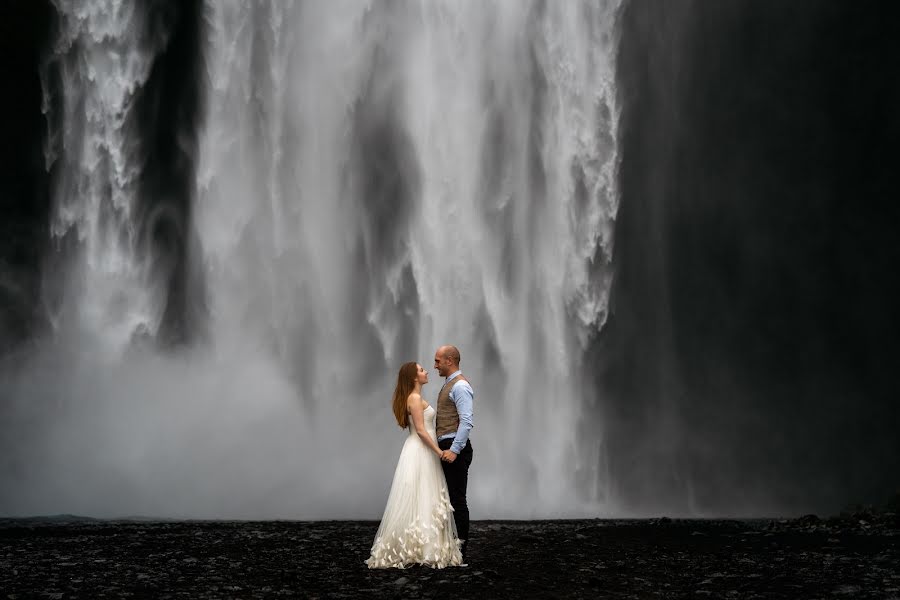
(517, 559)
(809, 519)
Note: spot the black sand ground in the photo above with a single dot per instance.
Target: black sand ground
(854, 556)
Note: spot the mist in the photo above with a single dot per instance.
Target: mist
(661, 234)
(259, 211)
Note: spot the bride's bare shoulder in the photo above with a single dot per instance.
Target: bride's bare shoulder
(415, 400)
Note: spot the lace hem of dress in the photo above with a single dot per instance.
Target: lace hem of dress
(416, 545)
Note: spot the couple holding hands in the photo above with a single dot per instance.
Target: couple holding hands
(426, 519)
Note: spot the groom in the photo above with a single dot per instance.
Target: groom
(454, 421)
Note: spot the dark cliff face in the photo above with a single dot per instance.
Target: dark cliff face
(749, 359)
(25, 30)
(169, 111)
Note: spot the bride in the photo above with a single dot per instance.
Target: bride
(417, 526)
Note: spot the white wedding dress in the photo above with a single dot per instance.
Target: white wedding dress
(417, 526)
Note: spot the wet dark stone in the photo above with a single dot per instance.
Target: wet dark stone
(809, 519)
(70, 557)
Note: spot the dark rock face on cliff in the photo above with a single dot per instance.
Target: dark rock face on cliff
(750, 356)
(25, 29)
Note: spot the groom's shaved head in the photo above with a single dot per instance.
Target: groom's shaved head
(446, 360)
(452, 353)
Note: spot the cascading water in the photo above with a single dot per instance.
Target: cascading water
(378, 179)
(373, 180)
(101, 59)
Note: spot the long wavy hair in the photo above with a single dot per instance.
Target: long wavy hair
(406, 382)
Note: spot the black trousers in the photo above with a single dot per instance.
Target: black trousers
(457, 475)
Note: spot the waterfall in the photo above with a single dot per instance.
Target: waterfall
(373, 180)
(102, 57)
(380, 178)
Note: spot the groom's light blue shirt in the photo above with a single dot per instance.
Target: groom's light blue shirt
(462, 396)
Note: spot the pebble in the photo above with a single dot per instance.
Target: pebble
(622, 559)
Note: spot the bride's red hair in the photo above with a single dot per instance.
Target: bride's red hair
(406, 382)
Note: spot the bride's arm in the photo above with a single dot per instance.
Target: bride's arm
(414, 404)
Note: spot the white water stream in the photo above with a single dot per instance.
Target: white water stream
(374, 179)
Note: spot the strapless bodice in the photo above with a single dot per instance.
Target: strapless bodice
(429, 417)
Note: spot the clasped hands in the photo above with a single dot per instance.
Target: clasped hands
(448, 456)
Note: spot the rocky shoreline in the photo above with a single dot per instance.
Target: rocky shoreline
(854, 555)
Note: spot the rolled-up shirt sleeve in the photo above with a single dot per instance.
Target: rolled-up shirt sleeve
(463, 397)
